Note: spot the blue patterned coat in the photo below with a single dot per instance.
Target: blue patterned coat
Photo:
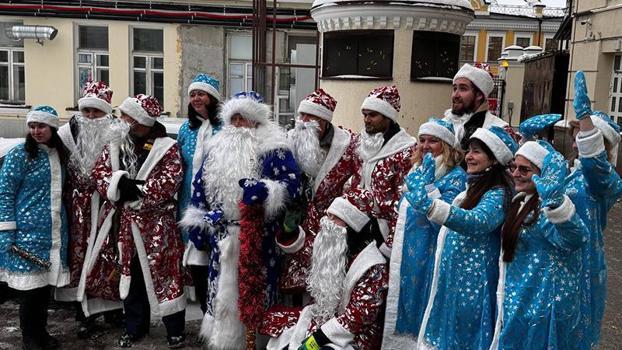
(461, 309)
(594, 188)
(539, 297)
(412, 264)
(32, 217)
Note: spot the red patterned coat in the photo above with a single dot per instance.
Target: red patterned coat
(147, 228)
(340, 164)
(358, 321)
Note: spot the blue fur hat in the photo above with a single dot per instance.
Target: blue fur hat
(43, 114)
(534, 125)
(499, 141)
(205, 83)
(440, 129)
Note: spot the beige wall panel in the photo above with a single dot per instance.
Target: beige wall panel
(584, 5)
(586, 56)
(514, 92)
(119, 50)
(172, 67)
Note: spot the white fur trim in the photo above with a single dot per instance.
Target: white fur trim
(346, 211)
(8, 225)
(534, 153)
(42, 117)
(368, 257)
(500, 301)
(277, 198)
(132, 107)
(66, 294)
(381, 106)
(300, 330)
(248, 108)
(396, 144)
(609, 133)
(94, 102)
(193, 217)
(194, 257)
(64, 132)
(94, 306)
(124, 286)
(503, 154)
(204, 133)
(433, 192)
(337, 333)
(113, 192)
(437, 130)
(197, 85)
(341, 141)
(385, 250)
(270, 137)
(296, 245)
(58, 276)
(383, 225)
(561, 214)
(477, 76)
(439, 212)
(591, 145)
(314, 109)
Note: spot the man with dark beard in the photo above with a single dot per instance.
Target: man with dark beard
(469, 104)
(348, 282)
(327, 156)
(137, 252)
(248, 161)
(85, 136)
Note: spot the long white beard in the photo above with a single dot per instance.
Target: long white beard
(231, 156)
(92, 138)
(370, 145)
(305, 139)
(119, 132)
(328, 269)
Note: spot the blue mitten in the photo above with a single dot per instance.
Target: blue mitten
(255, 191)
(551, 183)
(213, 217)
(582, 104)
(424, 174)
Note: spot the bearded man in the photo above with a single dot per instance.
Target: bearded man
(85, 136)
(327, 156)
(239, 195)
(137, 252)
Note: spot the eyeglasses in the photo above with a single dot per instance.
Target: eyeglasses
(522, 170)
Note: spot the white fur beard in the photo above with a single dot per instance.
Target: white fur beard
(305, 139)
(370, 145)
(92, 138)
(119, 132)
(328, 269)
(231, 156)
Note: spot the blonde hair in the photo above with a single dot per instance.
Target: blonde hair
(574, 125)
(450, 156)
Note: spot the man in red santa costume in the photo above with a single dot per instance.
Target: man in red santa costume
(85, 136)
(327, 156)
(137, 252)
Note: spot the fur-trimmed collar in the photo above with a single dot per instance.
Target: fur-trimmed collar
(396, 144)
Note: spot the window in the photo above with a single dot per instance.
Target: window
(434, 54)
(467, 48)
(12, 87)
(495, 46)
(550, 44)
(92, 54)
(148, 62)
(240, 68)
(523, 41)
(615, 107)
(358, 53)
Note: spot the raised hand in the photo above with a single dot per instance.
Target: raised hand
(255, 191)
(423, 175)
(582, 104)
(551, 183)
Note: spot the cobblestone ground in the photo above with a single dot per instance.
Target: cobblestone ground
(63, 326)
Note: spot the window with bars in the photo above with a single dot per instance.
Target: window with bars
(148, 62)
(467, 48)
(92, 56)
(495, 46)
(615, 106)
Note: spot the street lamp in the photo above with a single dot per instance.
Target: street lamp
(538, 9)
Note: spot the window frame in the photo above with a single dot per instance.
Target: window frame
(494, 35)
(528, 36)
(475, 47)
(148, 69)
(447, 39)
(94, 67)
(11, 64)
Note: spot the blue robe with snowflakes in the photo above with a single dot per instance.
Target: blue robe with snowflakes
(32, 217)
(412, 263)
(461, 308)
(192, 158)
(594, 188)
(539, 295)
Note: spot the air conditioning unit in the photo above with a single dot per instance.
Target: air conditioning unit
(39, 33)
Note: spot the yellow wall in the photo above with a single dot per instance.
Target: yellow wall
(482, 43)
(172, 64)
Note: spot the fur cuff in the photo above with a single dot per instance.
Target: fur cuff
(346, 211)
(277, 197)
(383, 225)
(124, 286)
(385, 250)
(439, 212)
(433, 192)
(113, 192)
(591, 146)
(336, 333)
(193, 217)
(296, 245)
(8, 225)
(561, 214)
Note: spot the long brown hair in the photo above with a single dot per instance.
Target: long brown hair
(32, 147)
(495, 176)
(514, 220)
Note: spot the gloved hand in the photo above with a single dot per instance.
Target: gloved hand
(417, 195)
(582, 104)
(213, 217)
(315, 341)
(198, 237)
(551, 183)
(424, 174)
(255, 191)
(129, 189)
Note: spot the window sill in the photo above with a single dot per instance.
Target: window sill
(442, 80)
(355, 77)
(10, 109)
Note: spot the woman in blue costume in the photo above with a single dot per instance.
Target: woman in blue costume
(538, 293)
(202, 124)
(594, 188)
(33, 224)
(460, 313)
(414, 244)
